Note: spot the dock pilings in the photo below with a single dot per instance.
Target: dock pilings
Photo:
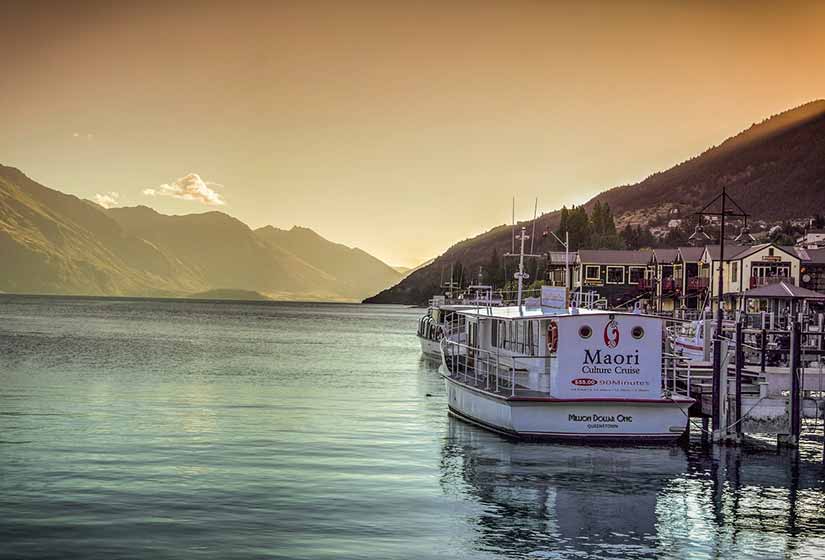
(796, 346)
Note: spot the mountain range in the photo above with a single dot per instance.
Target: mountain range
(55, 243)
(775, 169)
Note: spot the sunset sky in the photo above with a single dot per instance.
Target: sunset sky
(397, 127)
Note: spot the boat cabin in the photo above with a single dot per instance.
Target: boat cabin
(563, 353)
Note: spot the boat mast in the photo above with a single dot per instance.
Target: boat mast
(520, 274)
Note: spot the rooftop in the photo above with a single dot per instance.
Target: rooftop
(524, 312)
(815, 256)
(691, 254)
(557, 257)
(611, 256)
(666, 256)
(731, 251)
(783, 291)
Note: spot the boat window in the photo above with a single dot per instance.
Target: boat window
(530, 342)
(511, 327)
(515, 335)
(592, 272)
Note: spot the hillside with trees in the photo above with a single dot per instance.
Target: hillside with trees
(775, 168)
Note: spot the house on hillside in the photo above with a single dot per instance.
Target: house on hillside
(813, 239)
(614, 275)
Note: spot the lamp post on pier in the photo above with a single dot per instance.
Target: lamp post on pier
(699, 234)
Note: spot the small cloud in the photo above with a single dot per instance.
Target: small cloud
(107, 200)
(190, 187)
(76, 134)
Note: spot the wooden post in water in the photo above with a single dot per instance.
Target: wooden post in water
(740, 358)
(763, 342)
(796, 401)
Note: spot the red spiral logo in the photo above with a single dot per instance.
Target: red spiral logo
(611, 334)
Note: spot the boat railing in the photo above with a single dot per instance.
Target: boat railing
(676, 374)
(491, 370)
(501, 373)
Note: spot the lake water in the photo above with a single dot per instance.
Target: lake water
(168, 429)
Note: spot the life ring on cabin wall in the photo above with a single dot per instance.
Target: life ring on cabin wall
(552, 336)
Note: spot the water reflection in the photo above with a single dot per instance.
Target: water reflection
(560, 501)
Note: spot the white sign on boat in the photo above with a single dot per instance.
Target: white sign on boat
(609, 356)
(532, 303)
(554, 297)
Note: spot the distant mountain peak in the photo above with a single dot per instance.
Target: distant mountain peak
(51, 242)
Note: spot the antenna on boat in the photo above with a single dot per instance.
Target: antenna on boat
(521, 275)
(533, 235)
(451, 279)
(513, 247)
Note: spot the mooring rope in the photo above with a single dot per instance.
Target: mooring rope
(727, 427)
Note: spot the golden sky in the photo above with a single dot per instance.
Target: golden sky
(397, 127)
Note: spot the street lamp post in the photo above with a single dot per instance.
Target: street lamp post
(723, 198)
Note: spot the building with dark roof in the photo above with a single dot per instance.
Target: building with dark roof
(615, 275)
(674, 279)
(556, 268)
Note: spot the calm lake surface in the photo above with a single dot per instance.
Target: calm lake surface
(169, 429)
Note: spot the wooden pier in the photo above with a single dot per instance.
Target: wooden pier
(756, 397)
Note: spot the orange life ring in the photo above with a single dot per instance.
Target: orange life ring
(552, 336)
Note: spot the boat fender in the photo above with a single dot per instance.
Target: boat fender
(552, 336)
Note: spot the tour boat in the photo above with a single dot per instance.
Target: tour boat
(547, 368)
(689, 341)
(432, 325)
(563, 373)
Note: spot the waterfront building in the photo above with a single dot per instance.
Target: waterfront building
(812, 271)
(615, 275)
(557, 267)
(746, 268)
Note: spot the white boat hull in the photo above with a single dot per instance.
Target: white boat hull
(689, 349)
(547, 418)
(430, 348)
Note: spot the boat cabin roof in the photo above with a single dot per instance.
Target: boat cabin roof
(514, 313)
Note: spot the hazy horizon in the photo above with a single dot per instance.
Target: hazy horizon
(398, 129)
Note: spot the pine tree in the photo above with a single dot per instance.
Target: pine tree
(564, 222)
(579, 228)
(494, 272)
